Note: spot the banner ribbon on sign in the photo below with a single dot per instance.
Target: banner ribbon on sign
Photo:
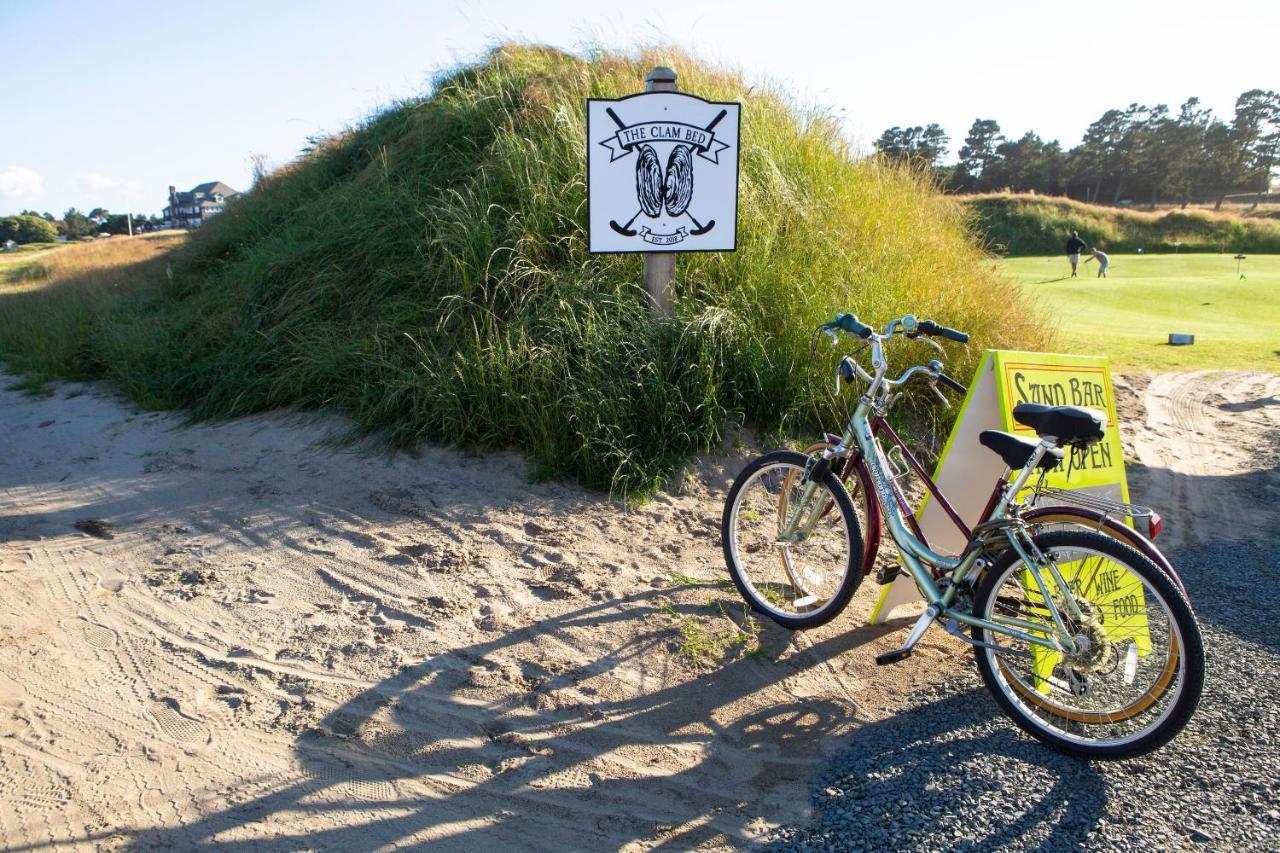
(647, 234)
(702, 140)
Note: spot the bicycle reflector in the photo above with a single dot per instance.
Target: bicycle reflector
(1155, 524)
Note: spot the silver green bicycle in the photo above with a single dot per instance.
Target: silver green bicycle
(1084, 641)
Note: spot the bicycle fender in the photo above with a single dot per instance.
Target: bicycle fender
(855, 465)
(1093, 518)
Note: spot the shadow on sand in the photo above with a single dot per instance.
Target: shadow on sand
(421, 758)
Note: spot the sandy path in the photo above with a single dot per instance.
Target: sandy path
(1207, 453)
(291, 646)
(284, 646)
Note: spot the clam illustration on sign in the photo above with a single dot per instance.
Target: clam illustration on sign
(662, 174)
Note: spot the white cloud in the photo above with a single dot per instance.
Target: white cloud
(19, 182)
(95, 182)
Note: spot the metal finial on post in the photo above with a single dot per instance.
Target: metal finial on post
(660, 79)
(660, 267)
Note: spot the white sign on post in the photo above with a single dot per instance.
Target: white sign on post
(662, 174)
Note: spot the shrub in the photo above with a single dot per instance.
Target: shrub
(27, 229)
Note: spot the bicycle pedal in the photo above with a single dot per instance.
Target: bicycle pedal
(895, 656)
(887, 574)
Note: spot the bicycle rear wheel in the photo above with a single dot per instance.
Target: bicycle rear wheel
(802, 583)
(1138, 671)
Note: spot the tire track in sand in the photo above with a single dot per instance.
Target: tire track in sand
(1209, 438)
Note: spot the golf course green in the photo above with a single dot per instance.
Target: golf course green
(1128, 315)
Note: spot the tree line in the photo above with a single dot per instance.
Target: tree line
(32, 227)
(1139, 154)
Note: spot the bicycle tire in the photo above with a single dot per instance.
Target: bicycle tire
(851, 572)
(1068, 515)
(1186, 642)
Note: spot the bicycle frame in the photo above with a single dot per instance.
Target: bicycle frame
(942, 580)
(938, 576)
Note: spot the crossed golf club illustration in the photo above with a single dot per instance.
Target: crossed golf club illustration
(656, 190)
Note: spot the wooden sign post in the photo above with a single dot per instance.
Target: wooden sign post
(660, 267)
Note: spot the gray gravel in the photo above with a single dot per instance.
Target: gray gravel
(950, 771)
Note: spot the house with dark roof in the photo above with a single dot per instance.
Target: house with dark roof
(193, 208)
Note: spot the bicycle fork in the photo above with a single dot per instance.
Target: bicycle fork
(798, 528)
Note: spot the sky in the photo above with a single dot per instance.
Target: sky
(106, 105)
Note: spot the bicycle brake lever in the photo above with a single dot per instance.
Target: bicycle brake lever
(931, 342)
(831, 333)
(933, 386)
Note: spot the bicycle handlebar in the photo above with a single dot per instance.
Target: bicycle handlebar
(928, 327)
(849, 323)
(908, 325)
(952, 384)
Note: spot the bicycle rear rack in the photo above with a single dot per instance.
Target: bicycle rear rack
(1087, 501)
(1106, 506)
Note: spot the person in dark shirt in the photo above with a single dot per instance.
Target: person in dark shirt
(1074, 247)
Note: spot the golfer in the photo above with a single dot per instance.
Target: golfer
(1102, 259)
(1074, 247)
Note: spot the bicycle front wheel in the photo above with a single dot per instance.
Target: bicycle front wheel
(803, 580)
(1136, 671)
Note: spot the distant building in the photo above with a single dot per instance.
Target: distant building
(192, 209)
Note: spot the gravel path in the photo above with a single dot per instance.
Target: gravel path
(950, 771)
(953, 772)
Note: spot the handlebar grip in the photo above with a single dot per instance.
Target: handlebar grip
(952, 384)
(928, 327)
(849, 323)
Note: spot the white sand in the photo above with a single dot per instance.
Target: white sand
(289, 647)
(341, 650)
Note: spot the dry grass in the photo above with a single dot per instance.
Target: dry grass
(86, 266)
(1152, 213)
(1027, 224)
(67, 312)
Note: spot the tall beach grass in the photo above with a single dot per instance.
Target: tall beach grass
(427, 272)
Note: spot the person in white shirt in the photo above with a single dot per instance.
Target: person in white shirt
(1102, 259)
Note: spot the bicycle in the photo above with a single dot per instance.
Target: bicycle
(1085, 642)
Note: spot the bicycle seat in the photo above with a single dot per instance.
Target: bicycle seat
(1016, 451)
(1069, 424)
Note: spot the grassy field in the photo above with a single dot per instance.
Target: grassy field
(22, 254)
(66, 309)
(1128, 315)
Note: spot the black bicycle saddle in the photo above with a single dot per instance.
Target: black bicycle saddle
(1069, 424)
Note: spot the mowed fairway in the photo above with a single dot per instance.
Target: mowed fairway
(1128, 315)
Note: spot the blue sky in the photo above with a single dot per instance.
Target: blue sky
(107, 104)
